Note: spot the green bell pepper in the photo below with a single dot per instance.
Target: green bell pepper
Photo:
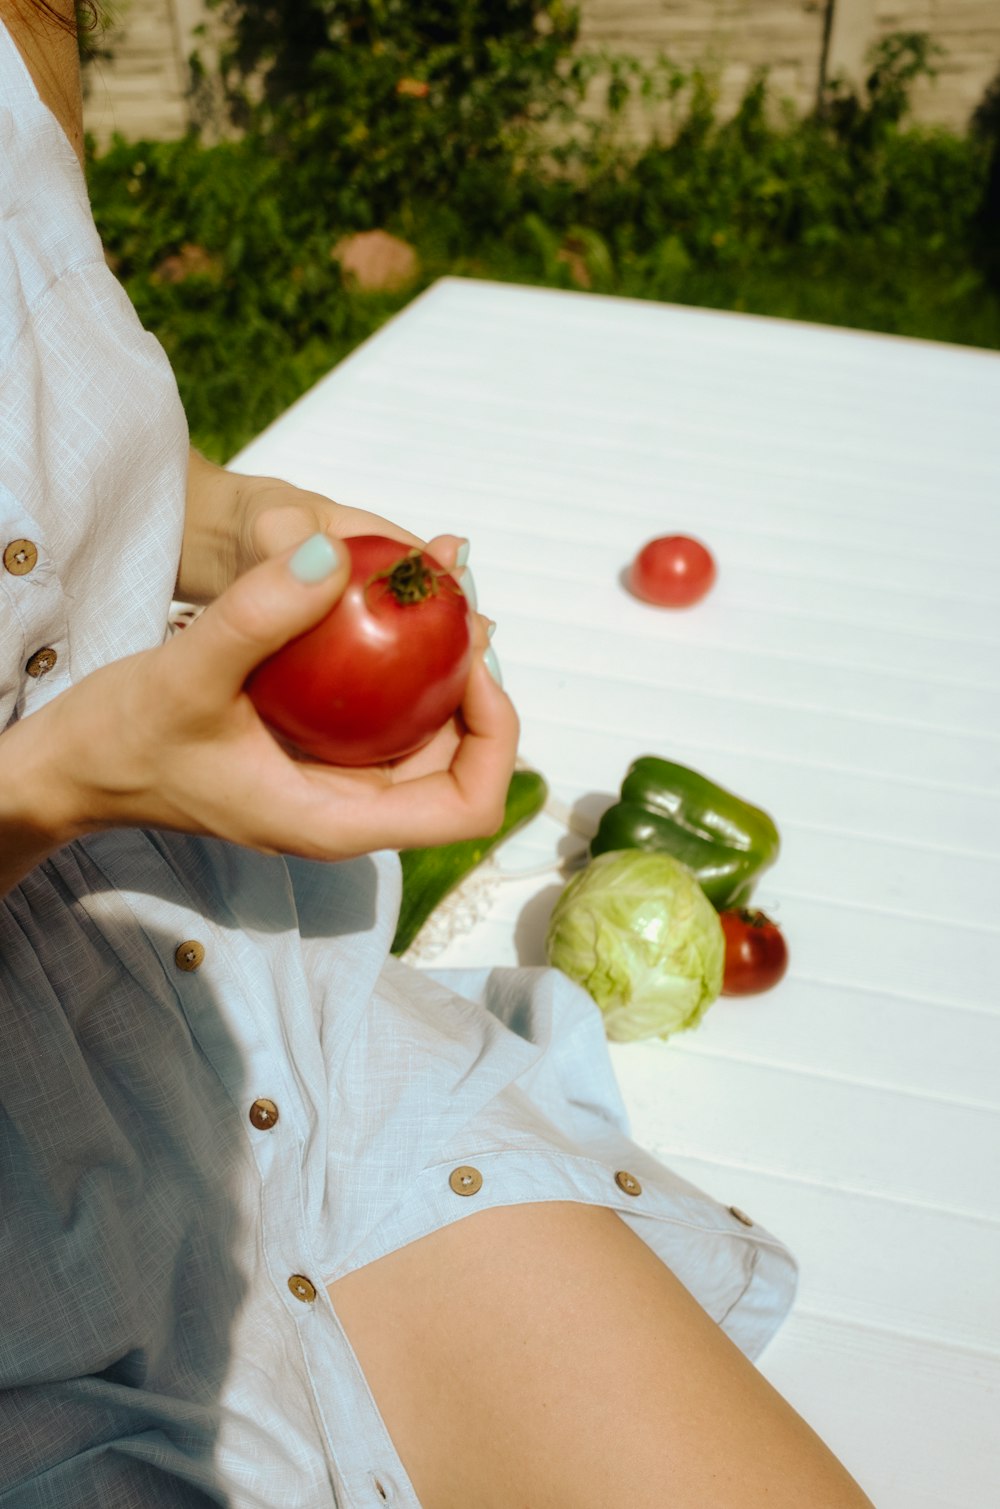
(724, 840)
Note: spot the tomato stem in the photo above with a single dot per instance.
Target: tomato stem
(755, 918)
(410, 580)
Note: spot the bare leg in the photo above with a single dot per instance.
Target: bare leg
(542, 1357)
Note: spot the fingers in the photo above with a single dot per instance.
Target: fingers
(456, 793)
(466, 800)
(277, 526)
(347, 521)
(281, 526)
(484, 761)
(263, 609)
(447, 550)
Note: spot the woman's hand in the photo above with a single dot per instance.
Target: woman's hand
(169, 739)
(233, 522)
(273, 516)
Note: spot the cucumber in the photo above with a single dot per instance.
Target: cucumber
(429, 874)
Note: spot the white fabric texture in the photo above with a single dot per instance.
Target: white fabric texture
(152, 1352)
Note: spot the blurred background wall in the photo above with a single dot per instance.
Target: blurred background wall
(142, 89)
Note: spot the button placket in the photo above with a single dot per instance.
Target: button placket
(284, 1236)
(39, 632)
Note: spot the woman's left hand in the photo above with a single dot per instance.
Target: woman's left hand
(234, 522)
(277, 516)
(273, 516)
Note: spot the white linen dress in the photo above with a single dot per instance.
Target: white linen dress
(218, 1093)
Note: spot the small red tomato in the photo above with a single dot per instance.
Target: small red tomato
(672, 571)
(756, 952)
(384, 670)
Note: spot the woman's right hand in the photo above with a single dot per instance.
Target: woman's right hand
(168, 738)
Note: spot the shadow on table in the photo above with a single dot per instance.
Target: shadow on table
(532, 924)
(571, 850)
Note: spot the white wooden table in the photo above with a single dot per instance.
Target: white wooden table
(843, 674)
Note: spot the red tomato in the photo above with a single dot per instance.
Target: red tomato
(672, 571)
(756, 952)
(387, 668)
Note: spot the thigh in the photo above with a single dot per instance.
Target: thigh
(542, 1355)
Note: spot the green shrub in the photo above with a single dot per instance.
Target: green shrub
(471, 130)
(373, 103)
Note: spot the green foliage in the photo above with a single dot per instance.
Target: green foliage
(897, 62)
(486, 59)
(249, 318)
(480, 132)
(363, 98)
(985, 127)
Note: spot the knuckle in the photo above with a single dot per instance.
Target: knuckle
(494, 814)
(483, 815)
(243, 618)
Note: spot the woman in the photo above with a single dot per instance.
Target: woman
(286, 1223)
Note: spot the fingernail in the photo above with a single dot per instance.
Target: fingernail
(492, 664)
(491, 627)
(315, 560)
(462, 553)
(467, 582)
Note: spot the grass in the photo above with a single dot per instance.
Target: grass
(922, 298)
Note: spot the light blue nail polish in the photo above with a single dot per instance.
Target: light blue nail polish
(467, 582)
(315, 560)
(462, 553)
(492, 664)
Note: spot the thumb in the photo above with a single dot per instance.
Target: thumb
(262, 610)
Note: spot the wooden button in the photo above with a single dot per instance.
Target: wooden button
(20, 557)
(628, 1182)
(302, 1287)
(466, 1180)
(740, 1215)
(41, 662)
(263, 1114)
(189, 955)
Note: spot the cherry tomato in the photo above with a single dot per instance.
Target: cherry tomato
(756, 952)
(672, 571)
(387, 668)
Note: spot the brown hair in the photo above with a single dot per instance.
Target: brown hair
(86, 14)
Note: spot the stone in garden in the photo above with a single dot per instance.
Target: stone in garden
(375, 262)
(574, 254)
(191, 261)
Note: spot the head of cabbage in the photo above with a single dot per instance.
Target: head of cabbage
(636, 930)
